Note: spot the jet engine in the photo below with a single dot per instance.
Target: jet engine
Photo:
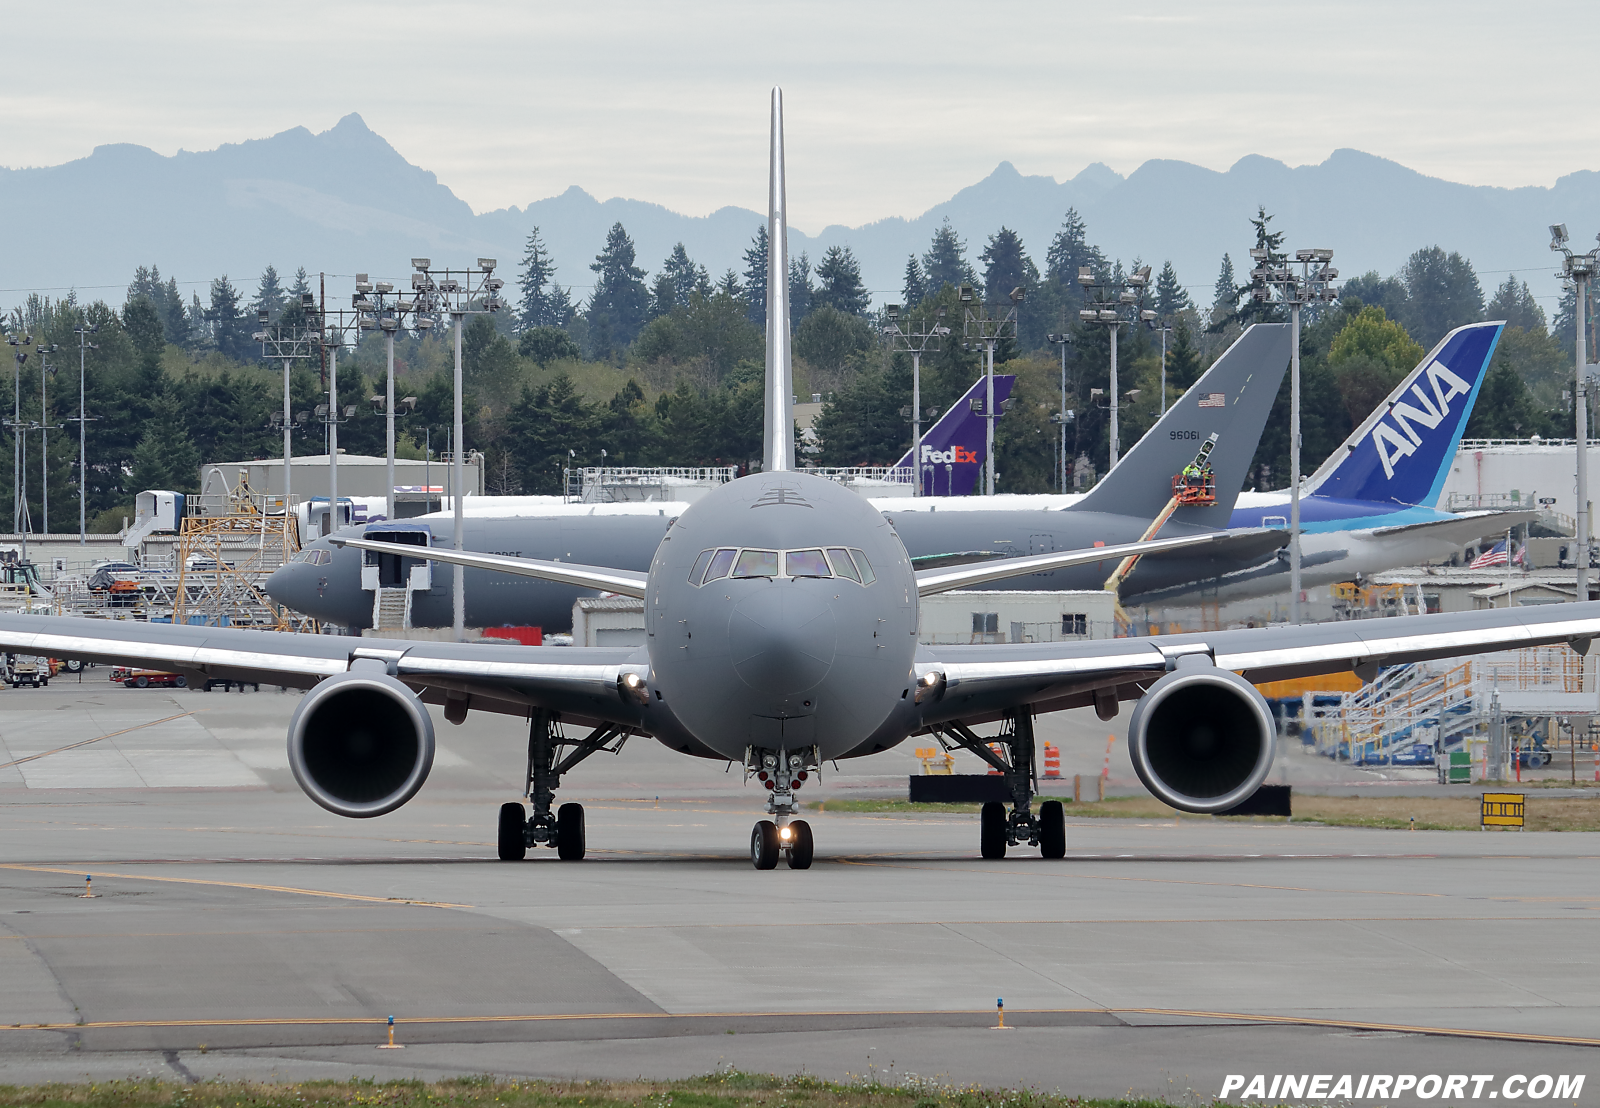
(361, 744)
(1202, 739)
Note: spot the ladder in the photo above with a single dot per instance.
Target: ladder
(391, 609)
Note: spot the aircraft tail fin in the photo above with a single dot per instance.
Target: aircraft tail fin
(952, 453)
(778, 444)
(1402, 452)
(1228, 408)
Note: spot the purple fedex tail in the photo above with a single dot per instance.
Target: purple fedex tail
(952, 449)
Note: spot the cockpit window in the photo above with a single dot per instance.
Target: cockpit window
(867, 576)
(842, 565)
(756, 563)
(720, 564)
(805, 563)
(313, 557)
(700, 566)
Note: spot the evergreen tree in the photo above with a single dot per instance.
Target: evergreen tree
(229, 328)
(1514, 303)
(800, 288)
(166, 457)
(1442, 292)
(686, 278)
(1370, 290)
(945, 263)
(839, 282)
(1505, 409)
(729, 285)
(541, 302)
(544, 345)
(143, 324)
(1183, 360)
(177, 322)
(1069, 252)
(1225, 296)
(302, 284)
(1006, 266)
(269, 293)
(201, 332)
(547, 422)
(1170, 297)
(620, 302)
(755, 277)
(913, 288)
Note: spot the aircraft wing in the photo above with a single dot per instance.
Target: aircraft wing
(1465, 527)
(931, 581)
(983, 682)
(579, 681)
(621, 581)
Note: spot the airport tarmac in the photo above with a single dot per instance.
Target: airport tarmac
(239, 930)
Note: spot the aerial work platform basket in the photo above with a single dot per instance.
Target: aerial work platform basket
(1195, 488)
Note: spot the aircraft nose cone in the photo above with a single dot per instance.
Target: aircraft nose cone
(277, 583)
(781, 639)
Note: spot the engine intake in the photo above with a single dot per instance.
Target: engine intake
(1202, 739)
(361, 744)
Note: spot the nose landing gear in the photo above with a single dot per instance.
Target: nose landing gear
(782, 772)
(562, 828)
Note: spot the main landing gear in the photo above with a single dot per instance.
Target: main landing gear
(563, 828)
(782, 772)
(997, 828)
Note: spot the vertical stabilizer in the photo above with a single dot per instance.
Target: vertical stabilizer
(779, 430)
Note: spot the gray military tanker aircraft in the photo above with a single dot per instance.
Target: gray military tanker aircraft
(782, 634)
(1222, 414)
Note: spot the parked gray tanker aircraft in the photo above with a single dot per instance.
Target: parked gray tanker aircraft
(1223, 413)
(782, 634)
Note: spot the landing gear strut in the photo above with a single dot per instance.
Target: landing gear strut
(782, 772)
(999, 829)
(562, 828)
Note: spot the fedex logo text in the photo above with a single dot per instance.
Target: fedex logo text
(1400, 439)
(955, 454)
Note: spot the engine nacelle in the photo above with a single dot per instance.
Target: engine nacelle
(361, 744)
(1202, 739)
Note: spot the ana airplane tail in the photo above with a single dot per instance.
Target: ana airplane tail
(1228, 406)
(1402, 452)
(952, 452)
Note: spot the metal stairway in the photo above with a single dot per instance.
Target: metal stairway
(391, 610)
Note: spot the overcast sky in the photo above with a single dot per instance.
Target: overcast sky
(891, 107)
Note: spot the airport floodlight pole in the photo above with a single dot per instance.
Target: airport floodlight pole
(1578, 269)
(83, 331)
(457, 293)
(46, 370)
(286, 346)
(1165, 329)
(923, 336)
(386, 312)
(1063, 417)
(1127, 309)
(988, 329)
(17, 342)
(1275, 274)
(331, 327)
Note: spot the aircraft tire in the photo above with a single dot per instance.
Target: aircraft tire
(571, 842)
(1052, 829)
(764, 845)
(992, 830)
(513, 847)
(800, 850)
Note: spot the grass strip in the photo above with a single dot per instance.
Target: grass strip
(724, 1089)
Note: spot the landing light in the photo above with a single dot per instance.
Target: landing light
(785, 833)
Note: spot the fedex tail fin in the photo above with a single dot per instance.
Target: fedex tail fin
(1402, 452)
(952, 453)
(1231, 401)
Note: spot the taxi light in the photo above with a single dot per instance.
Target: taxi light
(785, 833)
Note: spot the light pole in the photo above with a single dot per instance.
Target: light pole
(17, 342)
(457, 293)
(84, 346)
(1063, 417)
(1128, 308)
(1313, 284)
(331, 327)
(989, 330)
(46, 370)
(923, 337)
(286, 346)
(1165, 329)
(372, 298)
(1578, 268)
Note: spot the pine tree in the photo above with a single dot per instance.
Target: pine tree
(1070, 251)
(229, 329)
(913, 287)
(538, 306)
(686, 278)
(1183, 360)
(729, 284)
(302, 284)
(178, 323)
(1225, 296)
(620, 302)
(269, 293)
(945, 263)
(755, 277)
(1514, 303)
(166, 457)
(839, 282)
(1170, 297)
(1442, 292)
(1006, 266)
(800, 288)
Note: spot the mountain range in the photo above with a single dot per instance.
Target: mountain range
(345, 201)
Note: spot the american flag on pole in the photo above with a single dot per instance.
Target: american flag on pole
(1497, 555)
